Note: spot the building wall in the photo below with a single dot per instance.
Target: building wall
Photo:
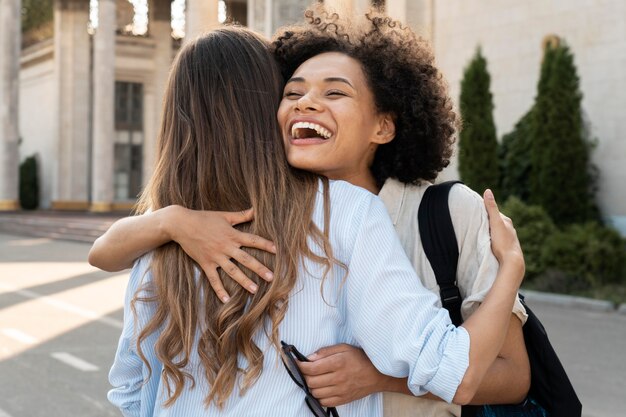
(37, 113)
(510, 33)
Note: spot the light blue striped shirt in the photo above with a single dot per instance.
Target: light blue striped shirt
(379, 305)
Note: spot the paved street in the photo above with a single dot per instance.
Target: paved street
(60, 320)
(59, 323)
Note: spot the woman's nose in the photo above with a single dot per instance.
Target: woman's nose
(306, 103)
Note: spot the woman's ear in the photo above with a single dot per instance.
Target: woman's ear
(386, 129)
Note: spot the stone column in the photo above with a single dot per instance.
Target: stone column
(200, 16)
(72, 71)
(103, 105)
(10, 52)
(160, 29)
(268, 12)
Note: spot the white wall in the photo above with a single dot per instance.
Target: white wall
(511, 33)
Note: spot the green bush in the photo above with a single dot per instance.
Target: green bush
(514, 157)
(36, 13)
(533, 226)
(589, 254)
(29, 184)
(560, 179)
(478, 143)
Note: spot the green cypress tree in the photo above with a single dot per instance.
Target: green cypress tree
(478, 144)
(560, 179)
(514, 158)
(29, 184)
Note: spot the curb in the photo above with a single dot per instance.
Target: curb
(622, 309)
(571, 301)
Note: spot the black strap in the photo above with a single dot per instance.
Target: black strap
(440, 245)
(441, 248)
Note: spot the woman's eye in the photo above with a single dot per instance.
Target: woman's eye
(336, 93)
(292, 94)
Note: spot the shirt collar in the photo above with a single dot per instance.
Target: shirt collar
(392, 195)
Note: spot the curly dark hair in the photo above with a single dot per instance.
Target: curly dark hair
(399, 67)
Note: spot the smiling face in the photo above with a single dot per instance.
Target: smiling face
(329, 120)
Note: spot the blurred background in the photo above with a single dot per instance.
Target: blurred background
(540, 86)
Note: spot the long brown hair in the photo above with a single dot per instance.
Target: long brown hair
(220, 148)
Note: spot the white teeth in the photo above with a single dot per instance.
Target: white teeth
(323, 132)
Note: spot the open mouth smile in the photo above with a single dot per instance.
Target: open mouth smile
(309, 130)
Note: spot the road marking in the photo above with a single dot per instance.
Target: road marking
(4, 413)
(74, 362)
(91, 315)
(20, 337)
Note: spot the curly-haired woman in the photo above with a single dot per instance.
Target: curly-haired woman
(366, 105)
(339, 73)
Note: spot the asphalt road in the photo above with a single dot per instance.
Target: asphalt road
(60, 320)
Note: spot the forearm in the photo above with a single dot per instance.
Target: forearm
(400, 386)
(500, 386)
(487, 328)
(508, 379)
(130, 238)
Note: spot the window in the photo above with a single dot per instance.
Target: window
(128, 153)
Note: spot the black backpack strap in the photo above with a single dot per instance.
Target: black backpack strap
(440, 245)
(442, 250)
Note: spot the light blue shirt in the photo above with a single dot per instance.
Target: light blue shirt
(379, 305)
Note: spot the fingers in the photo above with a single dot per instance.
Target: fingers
(235, 273)
(490, 203)
(319, 382)
(333, 401)
(238, 217)
(253, 241)
(252, 264)
(330, 350)
(319, 367)
(216, 283)
(493, 211)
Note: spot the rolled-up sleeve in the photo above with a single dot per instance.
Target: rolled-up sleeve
(394, 318)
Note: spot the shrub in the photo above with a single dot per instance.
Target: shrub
(589, 254)
(478, 144)
(29, 184)
(533, 226)
(560, 179)
(514, 157)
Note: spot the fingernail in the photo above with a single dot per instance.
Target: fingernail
(274, 248)
(225, 299)
(489, 194)
(312, 356)
(253, 288)
(269, 276)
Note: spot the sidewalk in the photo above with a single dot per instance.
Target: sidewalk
(73, 226)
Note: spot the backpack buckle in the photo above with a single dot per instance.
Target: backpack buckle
(450, 295)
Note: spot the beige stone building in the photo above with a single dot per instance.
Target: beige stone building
(86, 99)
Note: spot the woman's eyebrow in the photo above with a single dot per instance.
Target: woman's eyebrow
(328, 80)
(338, 79)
